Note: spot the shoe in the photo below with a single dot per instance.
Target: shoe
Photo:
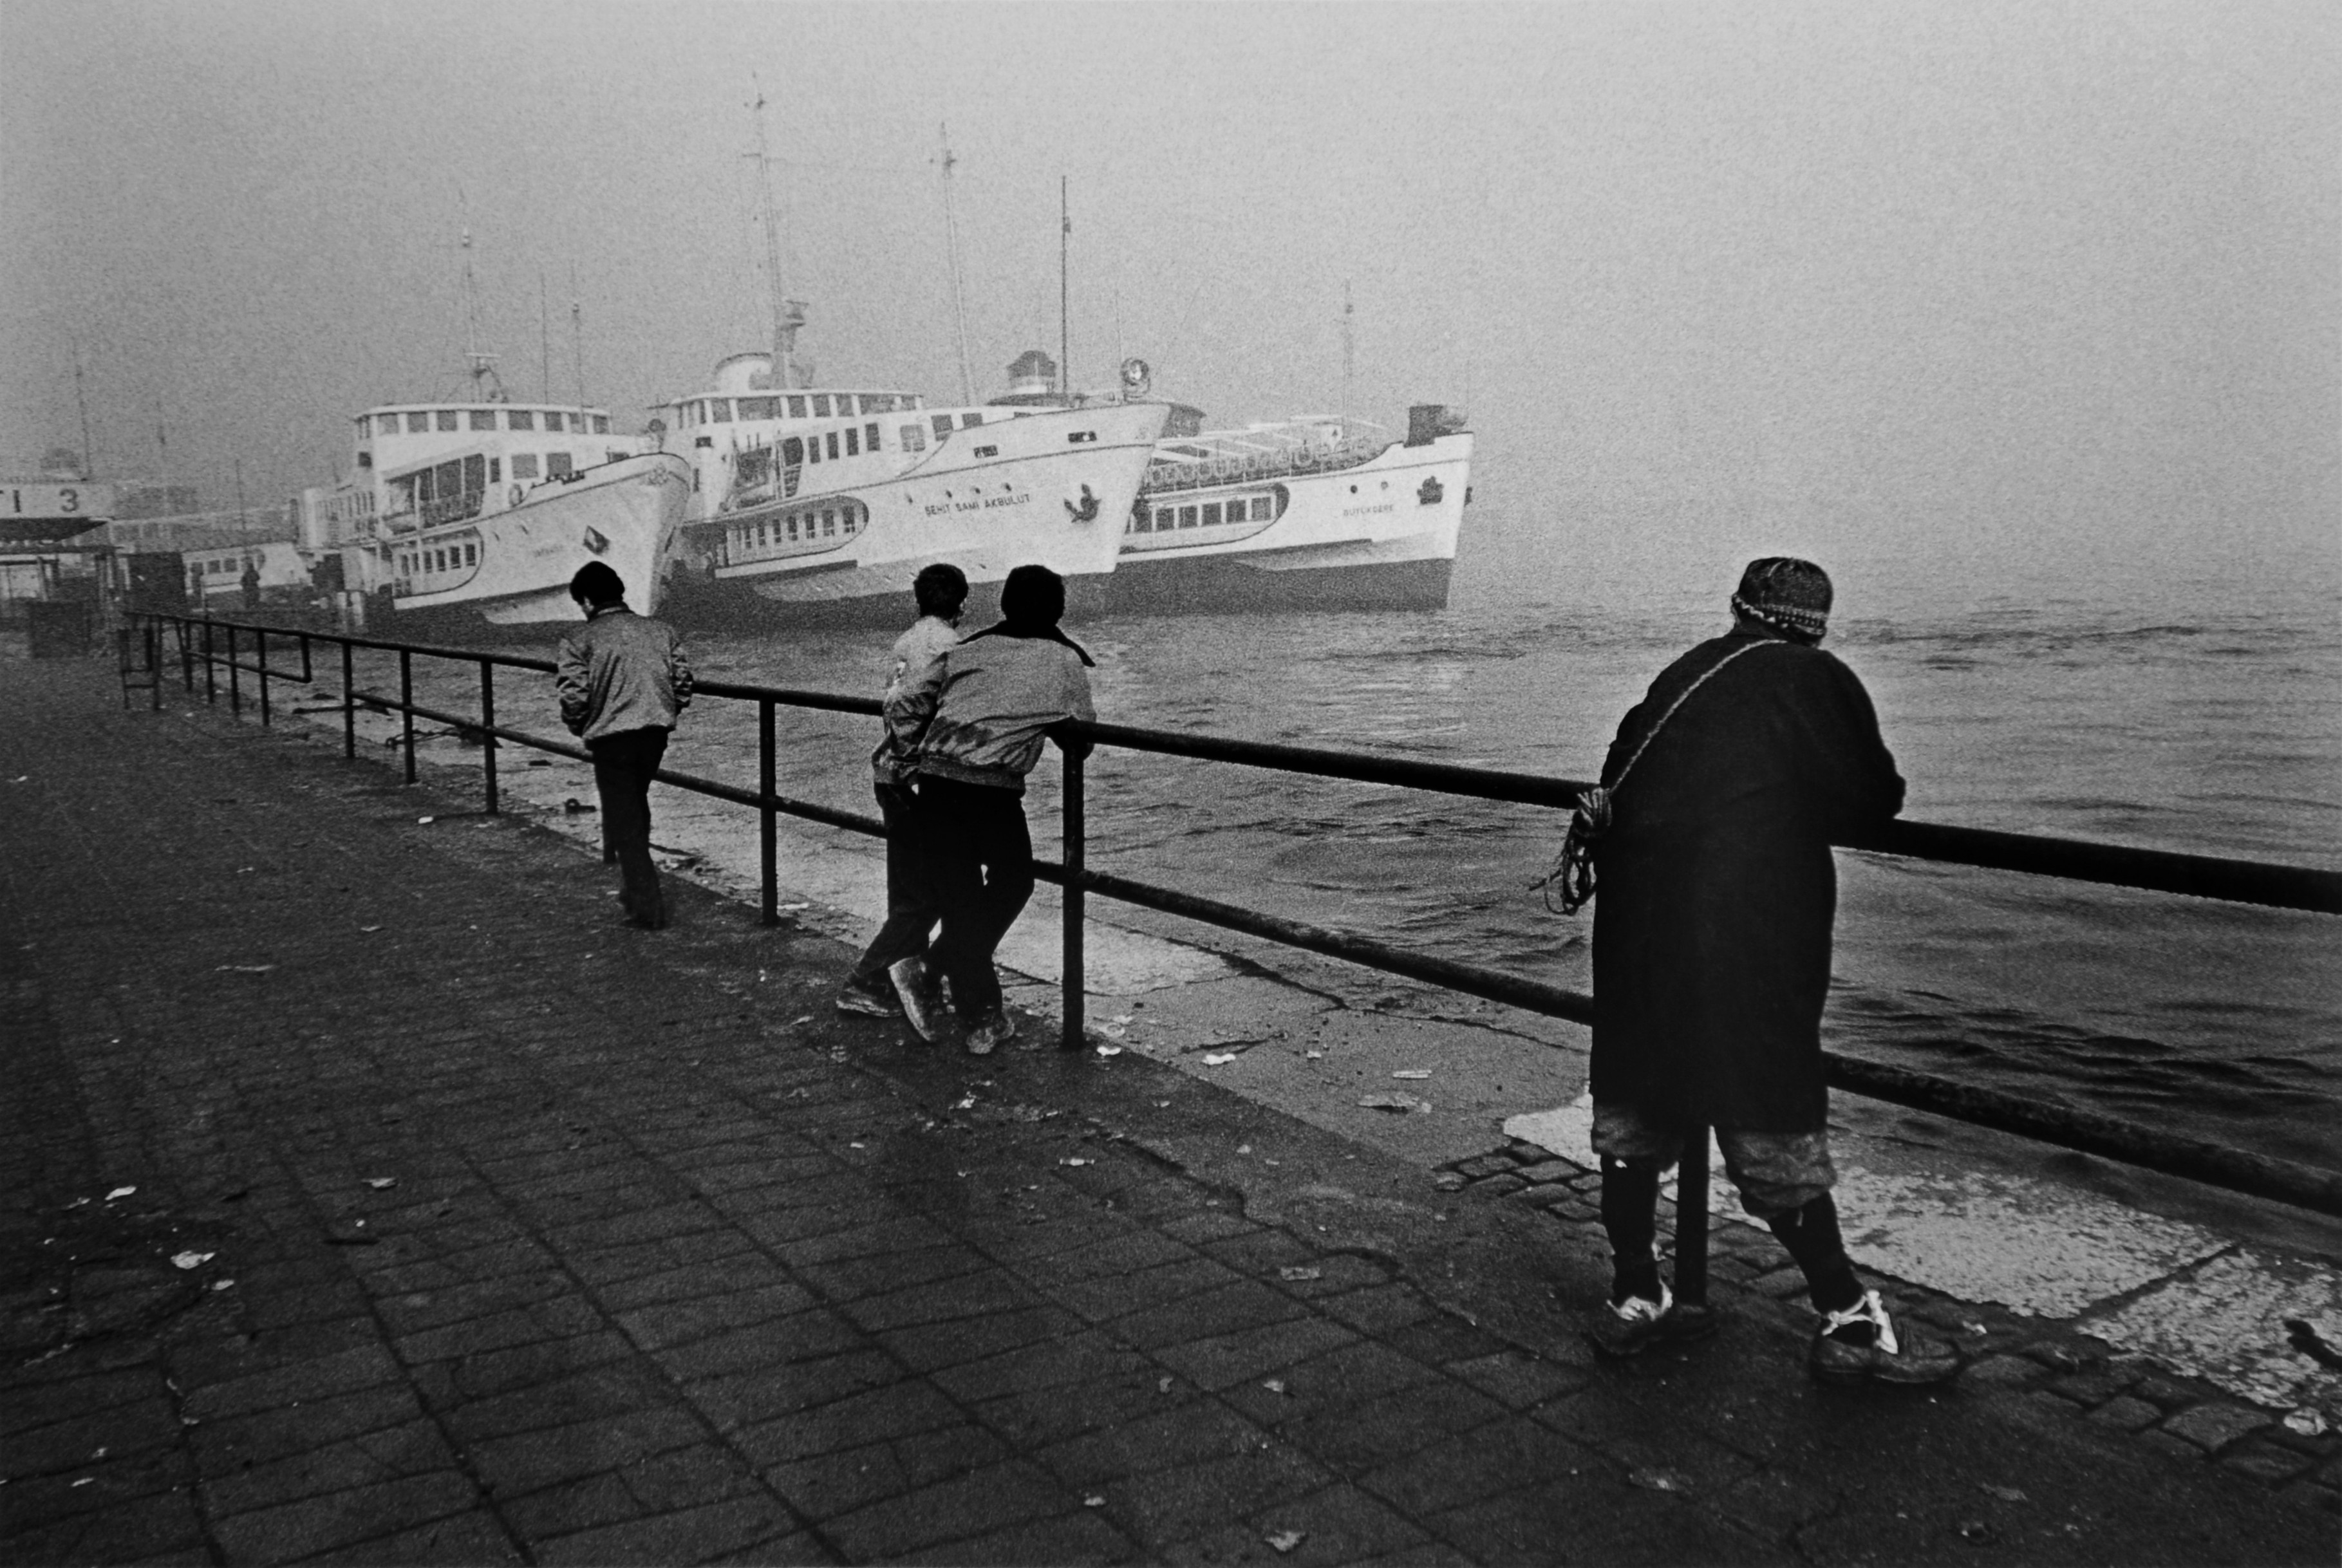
(1860, 1344)
(1632, 1326)
(921, 1004)
(990, 1033)
(866, 999)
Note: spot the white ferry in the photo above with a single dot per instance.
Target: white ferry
(468, 514)
(817, 506)
(1308, 513)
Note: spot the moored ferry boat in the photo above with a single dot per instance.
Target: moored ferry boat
(1310, 514)
(815, 507)
(465, 516)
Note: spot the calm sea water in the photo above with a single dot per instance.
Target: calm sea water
(2212, 732)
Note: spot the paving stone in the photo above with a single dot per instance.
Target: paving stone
(983, 1503)
(689, 1534)
(2127, 1413)
(340, 1519)
(2001, 1372)
(2215, 1426)
(1215, 1364)
(413, 1448)
(2266, 1462)
(1520, 1380)
(2095, 1386)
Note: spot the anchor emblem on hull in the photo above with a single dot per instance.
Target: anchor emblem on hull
(1088, 511)
(595, 542)
(1428, 492)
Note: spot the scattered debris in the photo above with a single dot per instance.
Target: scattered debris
(2005, 1493)
(1651, 1478)
(1285, 1541)
(965, 1104)
(1274, 1385)
(191, 1260)
(1162, 1385)
(369, 930)
(1401, 1103)
(573, 806)
(1094, 1500)
(1295, 1273)
(1243, 1148)
(244, 969)
(1218, 1058)
(1313, 1055)
(792, 906)
(1078, 1162)
(379, 1183)
(222, 1285)
(2306, 1421)
(1109, 1050)
(1976, 1532)
(119, 1193)
(425, 821)
(1412, 1072)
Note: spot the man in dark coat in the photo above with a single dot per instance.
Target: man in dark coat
(1725, 786)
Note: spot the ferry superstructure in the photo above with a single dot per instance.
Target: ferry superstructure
(1310, 514)
(460, 515)
(817, 506)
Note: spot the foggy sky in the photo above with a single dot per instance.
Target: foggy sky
(1924, 288)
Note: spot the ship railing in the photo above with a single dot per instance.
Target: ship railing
(1166, 476)
(218, 643)
(451, 508)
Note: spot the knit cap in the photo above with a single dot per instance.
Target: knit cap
(1790, 595)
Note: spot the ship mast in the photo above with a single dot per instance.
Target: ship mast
(1064, 317)
(788, 315)
(483, 364)
(951, 241)
(1349, 352)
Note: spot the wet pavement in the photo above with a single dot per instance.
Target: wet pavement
(373, 1193)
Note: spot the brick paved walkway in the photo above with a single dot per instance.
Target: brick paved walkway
(516, 1234)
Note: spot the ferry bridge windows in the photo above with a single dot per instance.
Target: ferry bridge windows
(471, 555)
(476, 472)
(913, 439)
(943, 423)
(601, 424)
(448, 419)
(853, 442)
(1211, 514)
(870, 437)
(557, 465)
(1164, 518)
(813, 448)
(417, 423)
(1263, 508)
(523, 465)
(757, 408)
(821, 405)
(484, 418)
(495, 470)
(793, 452)
(797, 404)
(970, 421)
(831, 442)
(366, 458)
(845, 404)
(1187, 516)
(520, 419)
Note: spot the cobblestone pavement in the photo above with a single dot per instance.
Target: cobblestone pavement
(373, 1193)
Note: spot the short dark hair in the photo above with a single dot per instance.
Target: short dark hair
(596, 585)
(941, 589)
(1033, 596)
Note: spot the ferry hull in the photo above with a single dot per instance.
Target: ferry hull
(1039, 499)
(1377, 536)
(624, 515)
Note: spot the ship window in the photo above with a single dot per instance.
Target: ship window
(523, 465)
(796, 407)
(829, 525)
(813, 449)
(1163, 518)
(987, 451)
(913, 439)
(793, 452)
(1187, 516)
(853, 442)
(877, 403)
(845, 404)
(495, 470)
(447, 479)
(601, 424)
(830, 441)
(520, 419)
(476, 472)
(366, 459)
(757, 408)
(943, 423)
(471, 555)
(557, 464)
(719, 411)
(1076, 437)
(793, 527)
(484, 418)
(821, 405)
(1261, 507)
(1211, 514)
(849, 520)
(418, 423)
(870, 436)
(970, 421)
(445, 419)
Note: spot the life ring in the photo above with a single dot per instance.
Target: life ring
(514, 499)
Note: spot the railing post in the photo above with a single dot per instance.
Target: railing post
(768, 820)
(407, 706)
(211, 667)
(260, 641)
(488, 728)
(349, 707)
(234, 676)
(186, 656)
(1071, 1039)
(1691, 1221)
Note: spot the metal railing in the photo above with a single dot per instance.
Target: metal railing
(2205, 876)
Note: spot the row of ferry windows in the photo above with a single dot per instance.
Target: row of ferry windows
(1212, 515)
(485, 419)
(822, 524)
(797, 406)
(448, 560)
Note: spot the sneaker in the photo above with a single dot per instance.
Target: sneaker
(1860, 1344)
(1632, 1326)
(868, 999)
(917, 994)
(987, 1034)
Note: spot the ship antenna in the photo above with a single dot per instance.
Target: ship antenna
(1349, 352)
(544, 341)
(951, 241)
(1065, 316)
(483, 365)
(88, 455)
(787, 314)
(576, 337)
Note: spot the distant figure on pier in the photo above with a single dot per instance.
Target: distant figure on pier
(1712, 958)
(250, 583)
(623, 680)
(891, 976)
(978, 715)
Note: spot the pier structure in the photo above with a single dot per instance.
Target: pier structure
(372, 1192)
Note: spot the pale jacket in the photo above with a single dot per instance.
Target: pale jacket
(913, 650)
(979, 713)
(621, 672)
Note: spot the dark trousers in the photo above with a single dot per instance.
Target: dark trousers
(981, 859)
(622, 765)
(911, 907)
